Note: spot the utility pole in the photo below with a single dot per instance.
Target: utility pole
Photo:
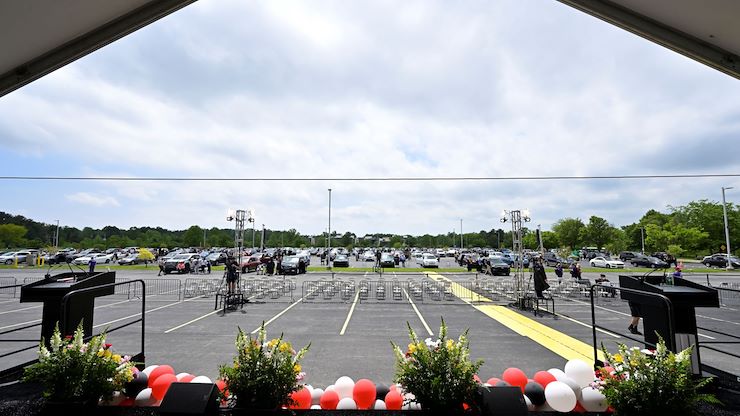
(462, 246)
(328, 255)
(727, 228)
(56, 237)
(642, 238)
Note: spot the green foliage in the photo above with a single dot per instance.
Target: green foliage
(72, 370)
(598, 232)
(569, 232)
(264, 373)
(645, 382)
(438, 373)
(11, 235)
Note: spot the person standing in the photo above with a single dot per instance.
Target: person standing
(231, 275)
(636, 315)
(160, 263)
(91, 264)
(540, 279)
(559, 272)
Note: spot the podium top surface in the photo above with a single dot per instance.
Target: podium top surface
(682, 293)
(58, 286)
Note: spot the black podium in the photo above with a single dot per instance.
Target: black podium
(684, 296)
(80, 308)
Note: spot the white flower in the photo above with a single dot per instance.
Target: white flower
(432, 344)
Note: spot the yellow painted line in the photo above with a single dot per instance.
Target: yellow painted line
(349, 314)
(554, 340)
(413, 305)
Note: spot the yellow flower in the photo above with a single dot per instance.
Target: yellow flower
(285, 347)
(297, 368)
(100, 353)
(116, 358)
(618, 358)
(272, 343)
(450, 344)
(107, 354)
(412, 348)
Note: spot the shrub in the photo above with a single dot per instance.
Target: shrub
(264, 373)
(72, 370)
(438, 373)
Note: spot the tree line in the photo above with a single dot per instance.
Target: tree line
(692, 230)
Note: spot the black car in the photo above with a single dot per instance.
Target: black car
(627, 255)
(552, 260)
(292, 265)
(341, 260)
(498, 266)
(720, 260)
(649, 261)
(668, 258)
(386, 260)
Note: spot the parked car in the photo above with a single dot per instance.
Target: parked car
(131, 259)
(367, 255)
(100, 258)
(552, 260)
(180, 263)
(292, 265)
(720, 260)
(428, 260)
(217, 258)
(10, 257)
(341, 260)
(604, 262)
(649, 261)
(386, 260)
(668, 258)
(252, 263)
(57, 258)
(498, 266)
(627, 255)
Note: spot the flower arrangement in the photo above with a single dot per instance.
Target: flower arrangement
(651, 382)
(264, 373)
(75, 371)
(438, 372)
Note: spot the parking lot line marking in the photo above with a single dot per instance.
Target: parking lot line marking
(717, 319)
(192, 321)
(284, 310)
(21, 309)
(349, 314)
(413, 305)
(552, 339)
(21, 323)
(586, 325)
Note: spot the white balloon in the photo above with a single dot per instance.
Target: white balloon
(558, 373)
(379, 405)
(201, 379)
(347, 404)
(560, 396)
(544, 408)
(415, 406)
(315, 407)
(149, 369)
(181, 376)
(115, 400)
(592, 400)
(580, 371)
(406, 406)
(530, 406)
(330, 388)
(145, 398)
(316, 396)
(573, 386)
(344, 386)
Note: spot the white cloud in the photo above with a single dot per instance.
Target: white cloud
(93, 200)
(331, 89)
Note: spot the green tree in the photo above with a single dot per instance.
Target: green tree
(193, 236)
(11, 235)
(569, 231)
(598, 231)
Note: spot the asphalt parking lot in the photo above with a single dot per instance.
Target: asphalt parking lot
(350, 330)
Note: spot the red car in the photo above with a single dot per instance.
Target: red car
(253, 262)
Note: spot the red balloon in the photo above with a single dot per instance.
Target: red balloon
(162, 369)
(364, 393)
(301, 399)
(579, 408)
(187, 378)
(329, 400)
(544, 378)
(220, 384)
(515, 377)
(393, 400)
(162, 384)
(493, 380)
(477, 379)
(128, 402)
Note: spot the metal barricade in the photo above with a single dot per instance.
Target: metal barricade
(9, 287)
(195, 287)
(162, 289)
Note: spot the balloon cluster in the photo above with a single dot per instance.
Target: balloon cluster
(346, 394)
(571, 390)
(150, 385)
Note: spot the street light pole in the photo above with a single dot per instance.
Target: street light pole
(727, 228)
(328, 253)
(462, 246)
(56, 237)
(642, 238)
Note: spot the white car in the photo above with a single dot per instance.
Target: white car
(428, 260)
(12, 256)
(604, 262)
(100, 258)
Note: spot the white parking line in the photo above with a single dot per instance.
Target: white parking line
(191, 321)
(284, 310)
(349, 314)
(586, 325)
(21, 309)
(20, 324)
(421, 318)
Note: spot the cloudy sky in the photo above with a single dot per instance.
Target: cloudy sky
(337, 89)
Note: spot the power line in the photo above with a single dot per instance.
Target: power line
(365, 179)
